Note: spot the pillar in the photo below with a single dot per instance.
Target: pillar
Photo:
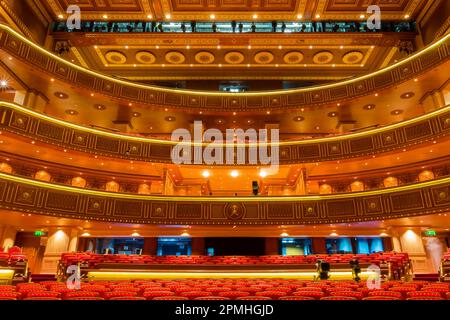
(433, 100)
(272, 246)
(60, 240)
(198, 246)
(387, 244)
(319, 246)
(7, 237)
(123, 120)
(150, 246)
(411, 242)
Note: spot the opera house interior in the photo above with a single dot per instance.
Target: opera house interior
(224, 150)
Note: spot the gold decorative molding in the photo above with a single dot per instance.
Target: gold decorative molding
(26, 195)
(28, 123)
(18, 46)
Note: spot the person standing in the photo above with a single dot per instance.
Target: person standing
(214, 27)
(274, 26)
(233, 26)
(283, 27)
(253, 27)
(183, 27)
(241, 27)
(193, 26)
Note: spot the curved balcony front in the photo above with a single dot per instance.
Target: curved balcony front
(15, 45)
(30, 124)
(25, 195)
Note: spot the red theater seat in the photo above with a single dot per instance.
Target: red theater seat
(312, 294)
(296, 298)
(381, 298)
(381, 293)
(211, 298)
(115, 294)
(127, 298)
(80, 294)
(171, 298)
(233, 294)
(338, 298)
(195, 294)
(254, 298)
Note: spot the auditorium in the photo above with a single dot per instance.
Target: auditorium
(229, 150)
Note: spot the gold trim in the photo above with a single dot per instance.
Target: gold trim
(47, 185)
(221, 94)
(282, 143)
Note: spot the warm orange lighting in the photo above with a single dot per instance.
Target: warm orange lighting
(357, 186)
(234, 173)
(6, 168)
(79, 182)
(144, 189)
(325, 189)
(390, 182)
(105, 16)
(43, 175)
(426, 175)
(86, 234)
(135, 234)
(112, 186)
(284, 234)
(206, 174)
(168, 16)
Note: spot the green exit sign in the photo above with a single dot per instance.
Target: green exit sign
(430, 233)
(38, 233)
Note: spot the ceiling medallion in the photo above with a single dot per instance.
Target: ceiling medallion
(234, 57)
(100, 107)
(352, 57)
(369, 107)
(323, 57)
(407, 95)
(71, 112)
(293, 57)
(61, 95)
(264, 57)
(332, 114)
(145, 57)
(204, 57)
(116, 57)
(175, 57)
(396, 112)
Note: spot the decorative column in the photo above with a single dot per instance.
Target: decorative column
(319, 245)
(198, 246)
(150, 246)
(433, 100)
(7, 237)
(60, 240)
(272, 246)
(411, 242)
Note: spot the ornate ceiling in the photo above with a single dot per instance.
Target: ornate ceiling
(236, 9)
(219, 56)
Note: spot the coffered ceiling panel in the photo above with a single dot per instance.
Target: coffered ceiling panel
(236, 9)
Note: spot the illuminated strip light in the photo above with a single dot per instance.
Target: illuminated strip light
(255, 93)
(47, 185)
(168, 142)
(96, 275)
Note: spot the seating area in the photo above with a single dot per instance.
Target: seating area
(227, 289)
(398, 259)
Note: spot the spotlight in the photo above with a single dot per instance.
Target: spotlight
(3, 83)
(205, 174)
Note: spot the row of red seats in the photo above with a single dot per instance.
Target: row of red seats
(11, 257)
(227, 289)
(93, 259)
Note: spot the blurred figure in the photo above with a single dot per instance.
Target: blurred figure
(274, 26)
(214, 27)
(233, 26)
(183, 27)
(253, 27)
(241, 27)
(194, 26)
(283, 27)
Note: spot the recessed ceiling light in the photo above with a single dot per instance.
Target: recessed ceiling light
(255, 16)
(149, 16)
(212, 16)
(284, 234)
(135, 234)
(234, 173)
(99, 107)
(86, 234)
(105, 16)
(362, 16)
(136, 114)
(369, 107)
(333, 234)
(332, 114)
(206, 173)
(406, 16)
(299, 16)
(396, 112)
(60, 16)
(263, 174)
(317, 16)
(3, 83)
(299, 118)
(72, 112)
(168, 16)
(185, 234)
